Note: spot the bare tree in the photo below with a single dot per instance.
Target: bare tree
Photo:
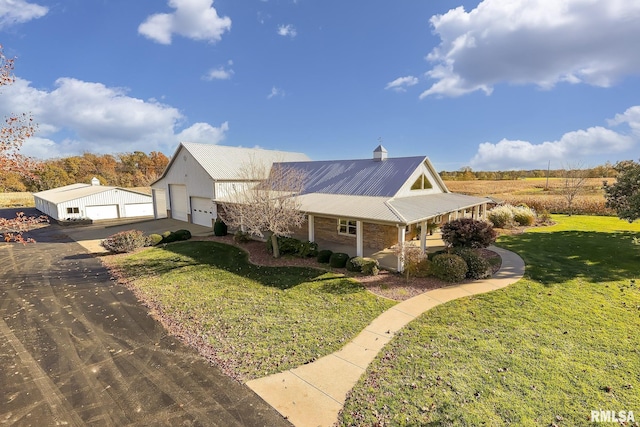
(574, 177)
(268, 205)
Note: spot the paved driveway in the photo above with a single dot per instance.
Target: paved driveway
(77, 349)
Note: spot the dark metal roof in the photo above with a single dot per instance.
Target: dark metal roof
(364, 177)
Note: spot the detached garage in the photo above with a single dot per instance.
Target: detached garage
(93, 201)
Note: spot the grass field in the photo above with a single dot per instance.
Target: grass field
(545, 351)
(16, 200)
(258, 320)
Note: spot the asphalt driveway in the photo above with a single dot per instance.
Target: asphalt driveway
(77, 349)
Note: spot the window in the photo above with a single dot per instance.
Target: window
(73, 210)
(422, 183)
(347, 227)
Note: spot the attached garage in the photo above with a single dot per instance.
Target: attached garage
(203, 211)
(93, 201)
(179, 208)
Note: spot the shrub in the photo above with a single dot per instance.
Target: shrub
(468, 233)
(125, 241)
(324, 256)
(219, 228)
(449, 267)
(295, 247)
(368, 266)
(153, 239)
(524, 215)
(182, 235)
(169, 237)
(478, 267)
(241, 237)
(338, 260)
(355, 264)
(501, 216)
(416, 263)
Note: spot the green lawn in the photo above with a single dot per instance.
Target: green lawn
(549, 349)
(258, 320)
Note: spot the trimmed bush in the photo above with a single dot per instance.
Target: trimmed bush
(295, 247)
(169, 237)
(183, 234)
(338, 260)
(153, 239)
(324, 256)
(368, 266)
(355, 264)
(125, 241)
(468, 233)
(478, 267)
(219, 227)
(449, 267)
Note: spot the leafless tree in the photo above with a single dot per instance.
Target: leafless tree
(266, 202)
(574, 177)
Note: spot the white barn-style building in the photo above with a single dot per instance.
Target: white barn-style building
(93, 201)
(199, 175)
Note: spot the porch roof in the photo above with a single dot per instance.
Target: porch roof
(405, 210)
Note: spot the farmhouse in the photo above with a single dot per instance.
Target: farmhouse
(92, 201)
(199, 175)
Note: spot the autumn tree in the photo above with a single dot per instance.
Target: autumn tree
(17, 128)
(266, 207)
(574, 177)
(624, 195)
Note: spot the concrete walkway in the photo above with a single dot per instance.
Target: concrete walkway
(313, 394)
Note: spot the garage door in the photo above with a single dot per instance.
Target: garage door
(178, 195)
(102, 212)
(138, 209)
(203, 211)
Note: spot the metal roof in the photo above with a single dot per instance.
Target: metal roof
(76, 191)
(364, 177)
(223, 162)
(405, 210)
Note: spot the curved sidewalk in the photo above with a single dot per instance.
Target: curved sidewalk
(313, 394)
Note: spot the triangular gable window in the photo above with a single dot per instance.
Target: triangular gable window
(422, 183)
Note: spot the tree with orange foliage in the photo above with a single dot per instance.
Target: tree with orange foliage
(17, 129)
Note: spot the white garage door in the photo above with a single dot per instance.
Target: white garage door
(138, 209)
(203, 211)
(102, 212)
(178, 195)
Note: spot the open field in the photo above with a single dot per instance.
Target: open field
(16, 200)
(537, 195)
(547, 350)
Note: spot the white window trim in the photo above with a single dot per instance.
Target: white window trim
(349, 224)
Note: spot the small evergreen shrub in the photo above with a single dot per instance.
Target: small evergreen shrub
(295, 247)
(338, 260)
(219, 227)
(449, 267)
(478, 267)
(169, 237)
(241, 237)
(125, 241)
(468, 233)
(368, 266)
(355, 264)
(153, 239)
(324, 256)
(183, 235)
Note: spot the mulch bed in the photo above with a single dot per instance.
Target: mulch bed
(387, 284)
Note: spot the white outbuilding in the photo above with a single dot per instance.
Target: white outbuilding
(93, 201)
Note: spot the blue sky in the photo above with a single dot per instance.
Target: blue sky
(494, 85)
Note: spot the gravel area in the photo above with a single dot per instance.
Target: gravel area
(387, 284)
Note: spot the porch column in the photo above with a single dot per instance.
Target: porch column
(312, 229)
(476, 212)
(401, 235)
(423, 237)
(359, 239)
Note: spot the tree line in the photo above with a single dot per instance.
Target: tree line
(607, 170)
(126, 170)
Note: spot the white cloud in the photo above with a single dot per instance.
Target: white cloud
(220, 73)
(402, 83)
(19, 11)
(541, 42)
(631, 117)
(275, 91)
(78, 116)
(287, 31)
(516, 154)
(194, 19)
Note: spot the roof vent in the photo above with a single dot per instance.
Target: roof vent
(95, 181)
(379, 154)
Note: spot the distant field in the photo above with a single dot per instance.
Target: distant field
(536, 194)
(16, 200)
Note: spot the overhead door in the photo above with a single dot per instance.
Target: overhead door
(203, 211)
(102, 212)
(178, 197)
(138, 209)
